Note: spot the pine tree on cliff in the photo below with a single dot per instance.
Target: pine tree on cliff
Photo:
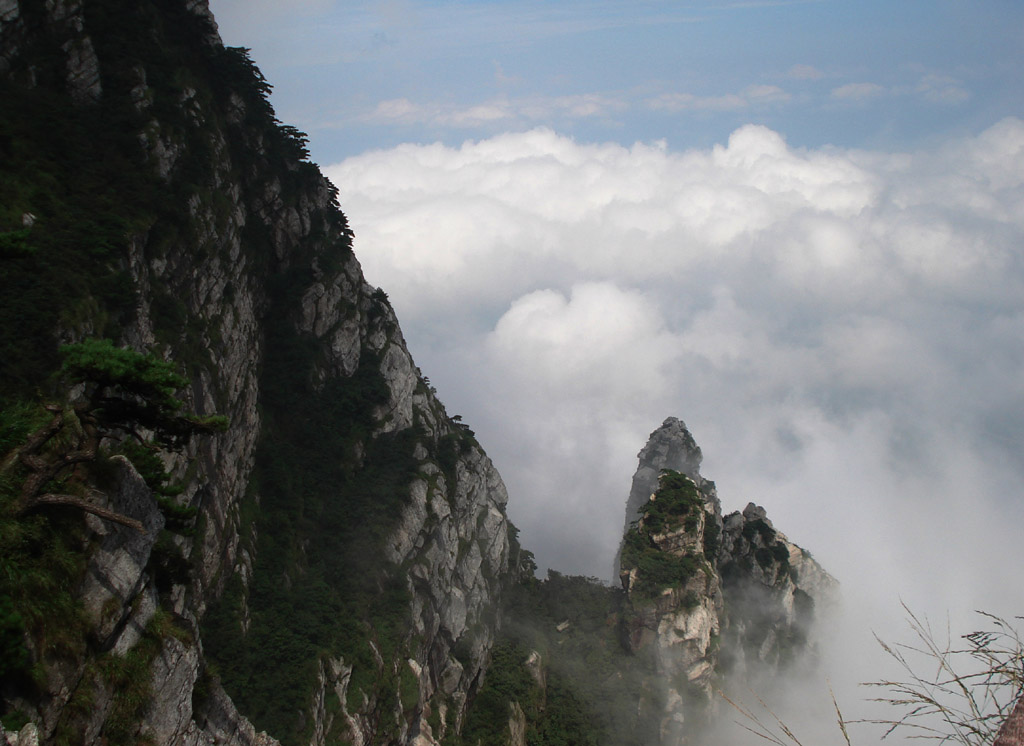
(126, 392)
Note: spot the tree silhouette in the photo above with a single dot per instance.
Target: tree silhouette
(125, 392)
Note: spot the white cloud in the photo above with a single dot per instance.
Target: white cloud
(857, 91)
(586, 360)
(511, 112)
(498, 110)
(569, 206)
(840, 329)
(750, 96)
(933, 88)
(942, 89)
(688, 101)
(805, 72)
(766, 93)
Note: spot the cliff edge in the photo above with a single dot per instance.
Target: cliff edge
(330, 563)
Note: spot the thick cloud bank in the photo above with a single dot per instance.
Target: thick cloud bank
(843, 331)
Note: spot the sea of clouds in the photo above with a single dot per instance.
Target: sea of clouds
(842, 331)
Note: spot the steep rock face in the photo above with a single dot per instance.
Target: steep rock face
(708, 598)
(451, 542)
(773, 588)
(674, 609)
(136, 675)
(669, 447)
(241, 271)
(80, 69)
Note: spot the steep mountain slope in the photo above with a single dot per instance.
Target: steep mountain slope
(715, 599)
(707, 602)
(331, 561)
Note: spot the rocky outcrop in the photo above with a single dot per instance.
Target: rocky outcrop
(65, 20)
(774, 589)
(114, 591)
(27, 736)
(669, 447)
(674, 601)
(709, 599)
(242, 270)
(122, 618)
(452, 543)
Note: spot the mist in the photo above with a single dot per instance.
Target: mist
(841, 330)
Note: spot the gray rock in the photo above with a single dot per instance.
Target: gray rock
(756, 592)
(9, 11)
(116, 573)
(755, 513)
(221, 724)
(452, 537)
(83, 70)
(174, 675)
(671, 446)
(27, 736)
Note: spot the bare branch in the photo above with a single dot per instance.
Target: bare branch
(972, 687)
(26, 453)
(77, 502)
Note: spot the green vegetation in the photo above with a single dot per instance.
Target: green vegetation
(71, 172)
(330, 492)
(677, 504)
(130, 679)
(125, 392)
(132, 391)
(14, 721)
(318, 587)
(79, 193)
(763, 544)
(775, 553)
(52, 458)
(712, 539)
(554, 715)
(78, 185)
(14, 657)
(81, 201)
(42, 563)
(758, 527)
(582, 687)
(656, 569)
(677, 501)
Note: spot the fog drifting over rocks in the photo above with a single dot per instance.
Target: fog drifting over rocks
(841, 330)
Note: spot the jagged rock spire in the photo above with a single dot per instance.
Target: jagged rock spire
(709, 597)
(669, 447)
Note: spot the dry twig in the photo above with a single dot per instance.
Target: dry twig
(971, 691)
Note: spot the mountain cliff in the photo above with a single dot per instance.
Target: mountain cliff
(330, 563)
(232, 510)
(713, 598)
(707, 602)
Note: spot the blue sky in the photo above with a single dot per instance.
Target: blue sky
(797, 226)
(890, 74)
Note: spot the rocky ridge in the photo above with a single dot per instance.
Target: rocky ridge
(709, 597)
(342, 497)
(248, 248)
